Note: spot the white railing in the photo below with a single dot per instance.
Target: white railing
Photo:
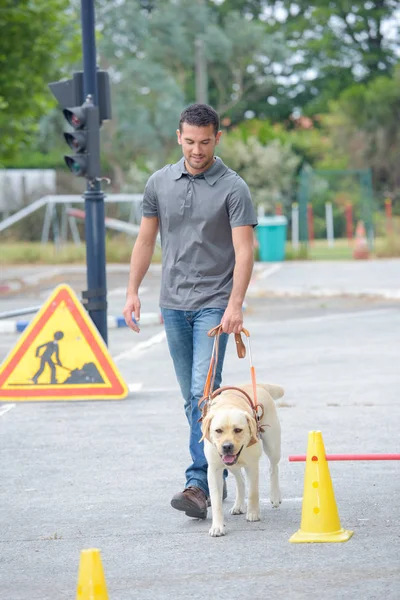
(60, 231)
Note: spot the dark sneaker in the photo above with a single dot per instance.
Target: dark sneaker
(192, 501)
(224, 494)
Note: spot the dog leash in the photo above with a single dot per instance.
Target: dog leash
(209, 395)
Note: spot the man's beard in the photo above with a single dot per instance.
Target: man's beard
(200, 164)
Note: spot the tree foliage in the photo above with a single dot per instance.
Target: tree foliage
(267, 63)
(334, 44)
(152, 56)
(364, 124)
(269, 170)
(36, 41)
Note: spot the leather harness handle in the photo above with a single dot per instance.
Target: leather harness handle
(240, 347)
(241, 352)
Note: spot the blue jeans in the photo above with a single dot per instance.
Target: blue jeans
(191, 349)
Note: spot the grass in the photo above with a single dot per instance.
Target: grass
(384, 247)
(388, 246)
(319, 250)
(119, 248)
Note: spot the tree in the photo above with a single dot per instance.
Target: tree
(269, 170)
(334, 44)
(38, 39)
(249, 8)
(364, 124)
(151, 55)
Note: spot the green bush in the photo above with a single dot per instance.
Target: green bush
(33, 159)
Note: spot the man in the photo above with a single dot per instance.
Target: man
(50, 349)
(206, 218)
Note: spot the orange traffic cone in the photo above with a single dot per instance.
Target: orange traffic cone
(361, 249)
(91, 580)
(319, 518)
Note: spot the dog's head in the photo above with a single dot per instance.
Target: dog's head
(230, 430)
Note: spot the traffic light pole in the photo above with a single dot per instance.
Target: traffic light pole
(96, 293)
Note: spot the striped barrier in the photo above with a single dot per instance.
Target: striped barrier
(153, 318)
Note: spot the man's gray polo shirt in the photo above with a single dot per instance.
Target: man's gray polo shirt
(196, 215)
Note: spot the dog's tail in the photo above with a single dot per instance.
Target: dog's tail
(276, 391)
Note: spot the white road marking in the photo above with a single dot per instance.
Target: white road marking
(343, 315)
(268, 501)
(164, 390)
(141, 347)
(121, 291)
(4, 409)
(117, 291)
(268, 272)
(135, 387)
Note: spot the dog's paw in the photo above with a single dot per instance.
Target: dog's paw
(217, 530)
(276, 498)
(238, 509)
(253, 515)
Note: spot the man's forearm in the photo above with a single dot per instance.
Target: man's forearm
(241, 276)
(140, 262)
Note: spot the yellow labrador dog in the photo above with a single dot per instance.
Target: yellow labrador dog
(230, 441)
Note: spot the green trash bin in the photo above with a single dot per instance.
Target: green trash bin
(271, 236)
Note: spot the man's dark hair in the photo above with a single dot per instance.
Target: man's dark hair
(200, 115)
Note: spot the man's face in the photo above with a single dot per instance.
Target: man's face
(198, 145)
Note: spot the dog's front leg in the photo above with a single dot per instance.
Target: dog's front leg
(253, 507)
(215, 483)
(239, 508)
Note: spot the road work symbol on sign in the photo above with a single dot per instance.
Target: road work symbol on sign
(60, 356)
(49, 349)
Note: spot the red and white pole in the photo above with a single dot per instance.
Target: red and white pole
(302, 458)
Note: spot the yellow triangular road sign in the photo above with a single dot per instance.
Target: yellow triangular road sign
(60, 356)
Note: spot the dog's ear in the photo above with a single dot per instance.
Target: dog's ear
(253, 430)
(205, 427)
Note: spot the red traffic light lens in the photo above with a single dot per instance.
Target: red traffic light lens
(75, 121)
(75, 117)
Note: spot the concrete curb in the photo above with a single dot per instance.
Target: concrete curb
(262, 292)
(112, 323)
(6, 288)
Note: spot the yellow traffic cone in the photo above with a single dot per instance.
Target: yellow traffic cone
(91, 580)
(319, 518)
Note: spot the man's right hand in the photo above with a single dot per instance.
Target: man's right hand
(132, 307)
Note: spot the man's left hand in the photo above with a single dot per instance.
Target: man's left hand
(232, 321)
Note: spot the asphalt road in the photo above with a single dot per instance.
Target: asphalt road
(78, 475)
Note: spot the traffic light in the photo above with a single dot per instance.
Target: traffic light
(84, 140)
(85, 120)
